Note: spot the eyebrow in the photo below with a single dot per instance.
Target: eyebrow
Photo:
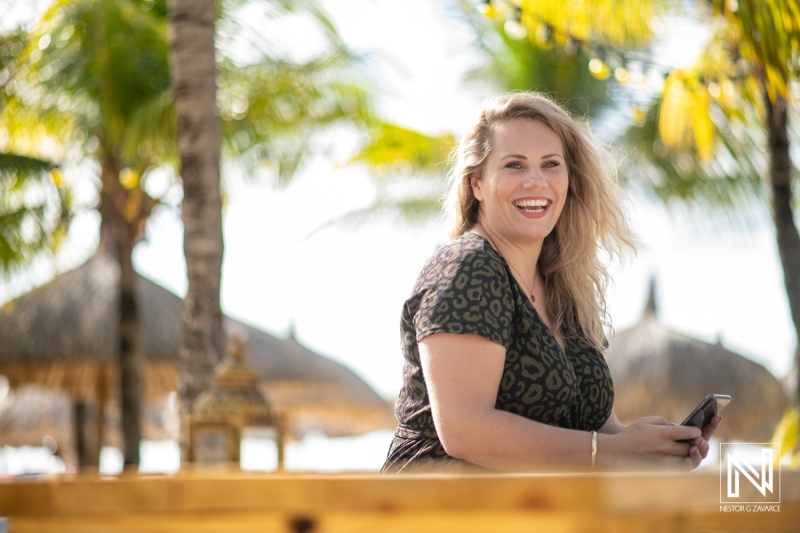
(519, 156)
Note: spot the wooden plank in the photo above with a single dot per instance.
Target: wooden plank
(300, 494)
(661, 491)
(441, 522)
(330, 523)
(197, 501)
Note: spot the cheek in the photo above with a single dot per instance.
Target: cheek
(565, 192)
(563, 195)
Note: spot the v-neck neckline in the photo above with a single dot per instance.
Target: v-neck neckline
(525, 299)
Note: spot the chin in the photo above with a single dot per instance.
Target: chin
(531, 236)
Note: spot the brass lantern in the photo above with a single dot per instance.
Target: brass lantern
(234, 403)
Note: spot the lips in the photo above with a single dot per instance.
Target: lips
(532, 205)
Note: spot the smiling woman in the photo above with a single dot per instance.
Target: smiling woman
(503, 333)
(525, 174)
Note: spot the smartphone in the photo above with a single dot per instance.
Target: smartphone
(708, 409)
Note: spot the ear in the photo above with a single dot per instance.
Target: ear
(475, 183)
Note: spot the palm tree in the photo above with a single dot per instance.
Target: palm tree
(92, 82)
(194, 78)
(716, 119)
(90, 79)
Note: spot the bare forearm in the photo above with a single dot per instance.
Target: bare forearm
(463, 408)
(503, 441)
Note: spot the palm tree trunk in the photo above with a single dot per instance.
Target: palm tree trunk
(129, 374)
(780, 178)
(116, 237)
(193, 71)
(82, 455)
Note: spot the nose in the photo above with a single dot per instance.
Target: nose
(534, 179)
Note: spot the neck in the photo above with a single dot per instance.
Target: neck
(522, 258)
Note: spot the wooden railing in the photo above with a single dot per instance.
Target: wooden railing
(207, 502)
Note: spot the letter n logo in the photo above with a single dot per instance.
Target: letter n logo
(754, 463)
(737, 465)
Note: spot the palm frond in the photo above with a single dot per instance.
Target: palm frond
(510, 63)
(35, 208)
(729, 185)
(20, 167)
(706, 137)
(86, 67)
(150, 132)
(273, 110)
(610, 22)
(394, 151)
(770, 37)
(92, 78)
(276, 8)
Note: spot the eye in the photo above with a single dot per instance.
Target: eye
(514, 165)
(551, 164)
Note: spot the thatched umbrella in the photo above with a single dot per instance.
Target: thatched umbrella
(32, 413)
(62, 336)
(313, 391)
(659, 371)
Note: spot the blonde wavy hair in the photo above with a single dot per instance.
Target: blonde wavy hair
(592, 220)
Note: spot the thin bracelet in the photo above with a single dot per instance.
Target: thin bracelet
(594, 448)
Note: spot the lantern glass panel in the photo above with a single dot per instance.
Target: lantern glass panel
(259, 449)
(212, 444)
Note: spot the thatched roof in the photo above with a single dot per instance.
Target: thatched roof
(30, 412)
(62, 335)
(657, 371)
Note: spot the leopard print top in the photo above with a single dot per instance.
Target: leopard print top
(467, 288)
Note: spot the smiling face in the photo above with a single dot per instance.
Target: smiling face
(524, 181)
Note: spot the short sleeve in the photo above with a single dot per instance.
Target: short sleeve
(469, 295)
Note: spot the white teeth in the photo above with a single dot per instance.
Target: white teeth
(539, 202)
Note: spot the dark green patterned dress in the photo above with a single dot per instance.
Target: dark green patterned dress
(467, 288)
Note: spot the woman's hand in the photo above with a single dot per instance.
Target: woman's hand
(652, 441)
(698, 448)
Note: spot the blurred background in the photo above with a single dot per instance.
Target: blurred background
(336, 122)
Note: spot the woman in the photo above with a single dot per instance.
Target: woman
(503, 332)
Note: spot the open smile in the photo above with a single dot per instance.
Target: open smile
(533, 207)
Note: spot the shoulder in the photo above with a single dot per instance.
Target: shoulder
(464, 288)
(467, 257)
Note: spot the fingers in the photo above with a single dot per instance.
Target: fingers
(711, 427)
(687, 442)
(686, 433)
(695, 457)
(671, 446)
(680, 449)
(697, 450)
(656, 420)
(702, 446)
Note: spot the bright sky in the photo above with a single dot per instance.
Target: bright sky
(343, 288)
